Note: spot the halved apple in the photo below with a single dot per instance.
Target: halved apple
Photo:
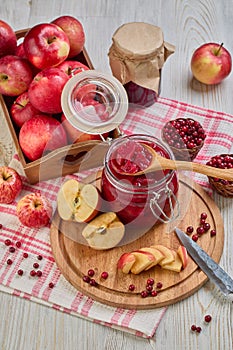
(175, 265)
(125, 262)
(143, 260)
(104, 232)
(182, 252)
(78, 201)
(157, 254)
(169, 257)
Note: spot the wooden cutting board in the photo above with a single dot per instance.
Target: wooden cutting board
(74, 258)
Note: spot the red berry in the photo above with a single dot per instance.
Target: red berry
(194, 238)
(200, 230)
(20, 272)
(86, 279)
(36, 265)
(208, 318)
(203, 216)
(212, 233)
(39, 273)
(7, 242)
(206, 226)
(104, 275)
(149, 288)
(32, 273)
(12, 249)
(18, 244)
(131, 287)
(189, 229)
(150, 281)
(91, 272)
(51, 285)
(193, 328)
(93, 282)
(159, 285)
(0, 226)
(9, 262)
(198, 329)
(154, 293)
(25, 255)
(144, 294)
(39, 257)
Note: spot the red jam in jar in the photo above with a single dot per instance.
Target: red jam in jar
(142, 200)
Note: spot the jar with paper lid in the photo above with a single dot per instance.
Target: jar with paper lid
(136, 56)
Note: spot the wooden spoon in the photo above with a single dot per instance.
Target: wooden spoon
(159, 162)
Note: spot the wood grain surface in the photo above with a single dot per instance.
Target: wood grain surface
(187, 24)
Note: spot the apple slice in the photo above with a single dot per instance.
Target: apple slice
(175, 265)
(157, 254)
(104, 232)
(169, 257)
(125, 262)
(78, 201)
(143, 260)
(182, 252)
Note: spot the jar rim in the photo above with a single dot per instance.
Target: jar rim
(112, 90)
(129, 187)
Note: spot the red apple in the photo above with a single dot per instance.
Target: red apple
(46, 45)
(125, 262)
(74, 30)
(20, 52)
(46, 88)
(211, 63)
(74, 135)
(15, 75)
(22, 109)
(41, 134)
(10, 184)
(34, 210)
(72, 67)
(8, 40)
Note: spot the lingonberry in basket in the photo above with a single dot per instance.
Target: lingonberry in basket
(185, 136)
(223, 187)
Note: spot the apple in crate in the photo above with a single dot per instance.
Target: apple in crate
(22, 109)
(104, 232)
(46, 88)
(10, 184)
(15, 75)
(72, 67)
(8, 40)
(40, 135)
(34, 210)
(46, 45)
(211, 63)
(78, 201)
(75, 32)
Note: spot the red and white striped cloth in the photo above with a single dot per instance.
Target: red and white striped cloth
(64, 297)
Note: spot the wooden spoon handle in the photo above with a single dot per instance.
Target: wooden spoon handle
(226, 174)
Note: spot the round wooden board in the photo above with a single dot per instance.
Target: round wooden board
(74, 258)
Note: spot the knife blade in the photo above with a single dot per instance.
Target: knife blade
(213, 271)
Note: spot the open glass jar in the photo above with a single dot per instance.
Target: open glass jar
(139, 201)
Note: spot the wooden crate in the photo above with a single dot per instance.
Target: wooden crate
(62, 161)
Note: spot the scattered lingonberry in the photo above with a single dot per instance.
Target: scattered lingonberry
(12, 249)
(35, 265)
(131, 287)
(159, 285)
(7, 242)
(104, 275)
(86, 279)
(189, 229)
(9, 261)
(91, 272)
(144, 294)
(208, 318)
(20, 272)
(32, 273)
(51, 285)
(25, 255)
(194, 238)
(150, 281)
(18, 244)
(39, 273)
(212, 233)
(39, 257)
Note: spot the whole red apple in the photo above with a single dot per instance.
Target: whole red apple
(46, 88)
(75, 135)
(40, 135)
(22, 109)
(15, 75)
(8, 40)
(211, 63)
(75, 32)
(72, 67)
(34, 210)
(10, 184)
(46, 45)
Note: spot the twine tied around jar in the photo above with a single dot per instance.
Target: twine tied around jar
(138, 53)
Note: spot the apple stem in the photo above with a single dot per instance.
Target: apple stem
(220, 46)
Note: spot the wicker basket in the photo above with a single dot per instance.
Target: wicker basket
(222, 187)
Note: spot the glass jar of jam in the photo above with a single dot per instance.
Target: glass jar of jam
(140, 201)
(136, 58)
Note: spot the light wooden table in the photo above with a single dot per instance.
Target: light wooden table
(187, 24)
